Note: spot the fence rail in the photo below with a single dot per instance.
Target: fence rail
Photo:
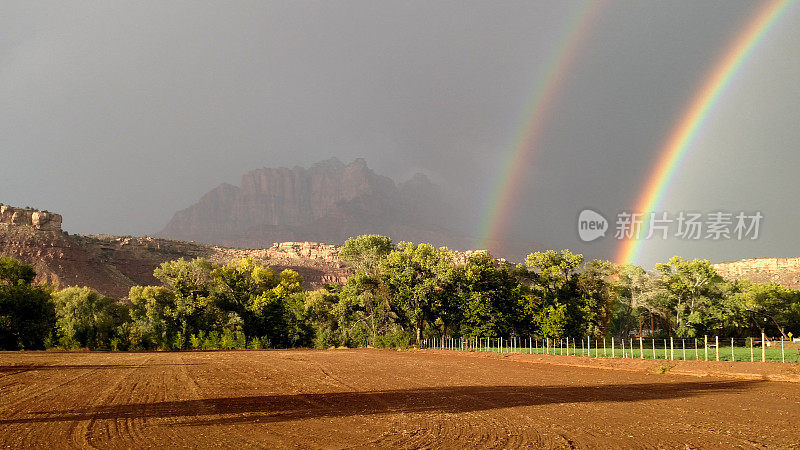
(702, 349)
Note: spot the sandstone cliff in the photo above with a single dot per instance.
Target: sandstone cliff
(40, 220)
(112, 264)
(785, 271)
(328, 202)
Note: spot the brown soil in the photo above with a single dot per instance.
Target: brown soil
(381, 398)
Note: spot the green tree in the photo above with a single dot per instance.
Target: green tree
(639, 294)
(491, 304)
(769, 304)
(154, 315)
(420, 279)
(27, 314)
(14, 273)
(692, 287)
(87, 319)
(365, 252)
(186, 277)
(319, 311)
(278, 312)
(365, 304)
(597, 296)
(238, 286)
(561, 285)
(555, 272)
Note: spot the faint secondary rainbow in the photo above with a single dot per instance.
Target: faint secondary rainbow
(510, 175)
(680, 140)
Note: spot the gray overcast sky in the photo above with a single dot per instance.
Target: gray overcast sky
(118, 114)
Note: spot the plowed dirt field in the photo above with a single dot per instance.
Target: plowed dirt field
(379, 398)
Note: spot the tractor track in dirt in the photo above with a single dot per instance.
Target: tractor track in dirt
(381, 398)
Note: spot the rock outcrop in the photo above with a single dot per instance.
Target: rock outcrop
(328, 202)
(785, 271)
(40, 220)
(112, 264)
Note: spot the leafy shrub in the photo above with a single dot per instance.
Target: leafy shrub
(212, 341)
(259, 343)
(398, 339)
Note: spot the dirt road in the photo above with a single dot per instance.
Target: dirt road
(376, 398)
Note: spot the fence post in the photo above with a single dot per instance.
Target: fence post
(666, 354)
(716, 338)
(683, 344)
(623, 348)
(733, 355)
(583, 348)
(705, 344)
(671, 349)
(654, 348)
(641, 348)
(783, 357)
(751, 349)
(613, 355)
(763, 348)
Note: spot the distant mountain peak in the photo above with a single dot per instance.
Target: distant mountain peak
(328, 202)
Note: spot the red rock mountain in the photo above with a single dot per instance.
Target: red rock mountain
(328, 202)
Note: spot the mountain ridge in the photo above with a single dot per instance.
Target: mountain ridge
(327, 202)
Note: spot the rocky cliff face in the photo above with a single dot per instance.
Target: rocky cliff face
(112, 264)
(328, 202)
(40, 220)
(785, 271)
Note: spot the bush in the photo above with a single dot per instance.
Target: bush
(324, 339)
(196, 340)
(212, 341)
(232, 340)
(397, 339)
(259, 343)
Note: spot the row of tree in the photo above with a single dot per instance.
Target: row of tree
(396, 296)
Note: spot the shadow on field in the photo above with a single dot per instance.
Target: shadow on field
(20, 368)
(453, 399)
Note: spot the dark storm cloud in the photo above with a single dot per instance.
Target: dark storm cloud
(118, 114)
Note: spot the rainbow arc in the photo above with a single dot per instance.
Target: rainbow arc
(680, 140)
